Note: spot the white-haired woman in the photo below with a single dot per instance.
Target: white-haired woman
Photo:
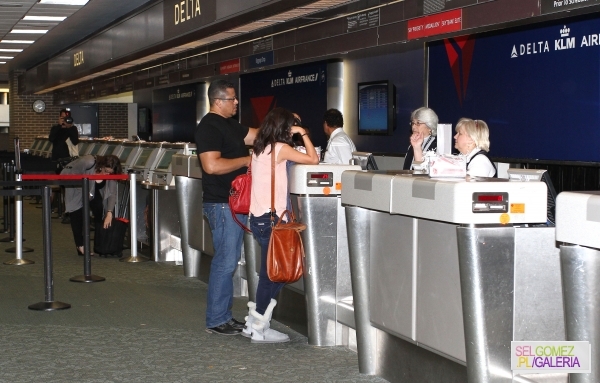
(472, 140)
(423, 123)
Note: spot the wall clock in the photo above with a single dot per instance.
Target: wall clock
(39, 106)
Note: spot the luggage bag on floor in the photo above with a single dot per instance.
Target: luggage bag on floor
(109, 242)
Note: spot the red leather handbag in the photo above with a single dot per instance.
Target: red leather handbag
(239, 196)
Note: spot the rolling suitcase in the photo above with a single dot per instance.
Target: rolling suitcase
(109, 242)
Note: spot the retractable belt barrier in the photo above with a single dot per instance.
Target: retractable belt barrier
(42, 181)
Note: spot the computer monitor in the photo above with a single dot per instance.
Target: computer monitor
(538, 175)
(143, 158)
(165, 161)
(365, 160)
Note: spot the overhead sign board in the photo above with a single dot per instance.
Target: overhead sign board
(182, 16)
(230, 66)
(436, 24)
(551, 6)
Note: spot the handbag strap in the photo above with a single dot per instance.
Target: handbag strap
(273, 212)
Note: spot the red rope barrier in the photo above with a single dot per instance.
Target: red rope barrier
(32, 177)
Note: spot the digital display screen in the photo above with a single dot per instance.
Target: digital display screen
(166, 159)
(95, 149)
(489, 198)
(125, 153)
(35, 145)
(376, 108)
(143, 158)
(83, 148)
(319, 175)
(110, 149)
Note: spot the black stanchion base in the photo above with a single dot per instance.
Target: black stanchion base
(14, 250)
(87, 278)
(7, 239)
(19, 262)
(49, 306)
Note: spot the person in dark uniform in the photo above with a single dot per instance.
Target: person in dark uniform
(221, 142)
(59, 134)
(423, 123)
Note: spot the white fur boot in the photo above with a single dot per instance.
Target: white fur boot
(261, 327)
(247, 331)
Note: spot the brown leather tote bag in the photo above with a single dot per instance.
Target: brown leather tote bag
(286, 252)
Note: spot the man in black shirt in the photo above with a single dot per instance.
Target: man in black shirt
(221, 143)
(60, 133)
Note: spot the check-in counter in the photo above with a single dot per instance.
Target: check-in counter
(36, 146)
(159, 181)
(161, 173)
(46, 149)
(447, 272)
(196, 237)
(315, 191)
(129, 154)
(84, 145)
(577, 230)
(146, 160)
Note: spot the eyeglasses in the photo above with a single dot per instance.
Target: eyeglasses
(226, 99)
(412, 123)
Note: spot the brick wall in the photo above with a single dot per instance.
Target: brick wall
(26, 124)
(112, 120)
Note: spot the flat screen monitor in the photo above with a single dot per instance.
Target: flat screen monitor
(83, 148)
(47, 146)
(95, 149)
(110, 149)
(376, 108)
(538, 175)
(125, 153)
(365, 160)
(144, 120)
(35, 145)
(166, 159)
(143, 158)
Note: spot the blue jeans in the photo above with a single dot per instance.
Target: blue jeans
(267, 289)
(227, 241)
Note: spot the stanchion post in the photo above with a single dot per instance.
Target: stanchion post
(5, 199)
(18, 249)
(10, 208)
(87, 276)
(133, 223)
(49, 304)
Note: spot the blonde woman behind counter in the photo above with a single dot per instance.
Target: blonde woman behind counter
(472, 140)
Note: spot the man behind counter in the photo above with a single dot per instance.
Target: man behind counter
(340, 146)
(221, 143)
(60, 133)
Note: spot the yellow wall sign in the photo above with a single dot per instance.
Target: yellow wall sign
(78, 58)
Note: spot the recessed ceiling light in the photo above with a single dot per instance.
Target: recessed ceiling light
(17, 41)
(5, 57)
(40, 31)
(2, 62)
(10, 50)
(65, 2)
(44, 18)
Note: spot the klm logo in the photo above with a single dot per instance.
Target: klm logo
(565, 42)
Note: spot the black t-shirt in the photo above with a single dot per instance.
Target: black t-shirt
(219, 134)
(58, 136)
